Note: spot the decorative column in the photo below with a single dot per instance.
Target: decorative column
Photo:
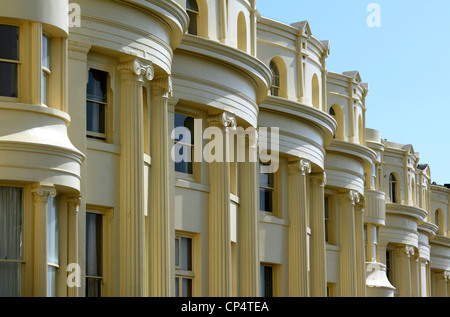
(298, 246)
(442, 279)
(415, 277)
(360, 258)
(348, 270)
(219, 208)
(132, 226)
(72, 232)
(249, 264)
(404, 270)
(40, 202)
(318, 243)
(160, 234)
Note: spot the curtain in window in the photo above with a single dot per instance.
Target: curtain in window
(93, 254)
(11, 241)
(52, 245)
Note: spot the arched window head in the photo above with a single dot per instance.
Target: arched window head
(338, 115)
(193, 12)
(275, 89)
(393, 192)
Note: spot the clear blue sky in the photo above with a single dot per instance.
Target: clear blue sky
(406, 62)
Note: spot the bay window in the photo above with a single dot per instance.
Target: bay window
(9, 60)
(266, 191)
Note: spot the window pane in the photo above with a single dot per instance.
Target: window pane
(9, 37)
(11, 279)
(8, 79)
(192, 23)
(177, 252)
(11, 223)
(177, 287)
(97, 85)
(186, 287)
(44, 88)
(265, 199)
(11, 240)
(266, 180)
(94, 244)
(45, 51)
(186, 254)
(192, 5)
(51, 281)
(93, 287)
(52, 230)
(186, 122)
(266, 280)
(95, 117)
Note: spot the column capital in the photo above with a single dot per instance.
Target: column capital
(302, 165)
(75, 203)
(447, 275)
(78, 50)
(351, 195)
(42, 191)
(319, 178)
(406, 250)
(138, 67)
(163, 86)
(222, 120)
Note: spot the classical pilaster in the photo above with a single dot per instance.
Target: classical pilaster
(40, 202)
(318, 243)
(249, 279)
(132, 226)
(348, 270)
(298, 245)
(72, 232)
(160, 233)
(360, 254)
(404, 270)
(219, 211)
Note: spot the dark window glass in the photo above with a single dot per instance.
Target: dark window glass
(275, 90)
(9, 37)
(266, 276)
(97, 98)
(9, 54)
(184, 146)
(8, 79)
(192, 11)
(266, 189)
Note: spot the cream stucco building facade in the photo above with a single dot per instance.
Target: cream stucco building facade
(92, 202)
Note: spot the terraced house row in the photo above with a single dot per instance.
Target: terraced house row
(93, 203)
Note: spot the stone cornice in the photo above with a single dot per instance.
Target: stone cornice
(360, 151)
(429, 228)
(406, 210)
(441, 240)
(303, 112)
(232, 57)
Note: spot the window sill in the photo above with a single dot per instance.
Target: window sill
(268, 217)
(103, 146)
(190, 184)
